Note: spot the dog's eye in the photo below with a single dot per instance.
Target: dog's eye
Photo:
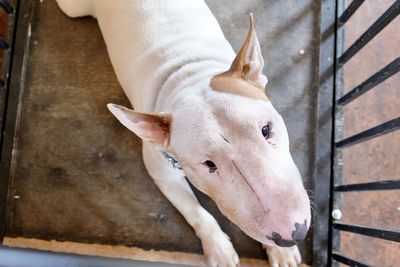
(266, 130)
(211, 166)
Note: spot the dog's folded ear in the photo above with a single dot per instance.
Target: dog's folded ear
(249, 61)
(151, 127)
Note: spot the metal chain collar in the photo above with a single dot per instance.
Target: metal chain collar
(172, 160)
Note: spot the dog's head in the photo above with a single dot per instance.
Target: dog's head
(233, 146)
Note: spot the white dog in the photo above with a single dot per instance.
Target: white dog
(199, 104)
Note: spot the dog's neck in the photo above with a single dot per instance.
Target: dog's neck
(188, 80)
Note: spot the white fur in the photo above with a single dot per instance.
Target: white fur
(164, 54)
(279, 257)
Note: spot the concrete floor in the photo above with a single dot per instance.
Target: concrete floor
(79, 175)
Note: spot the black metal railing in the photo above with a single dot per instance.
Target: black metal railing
(366, 135)
(379, 77)
(372, 31)
(387, 127)
(6, 44)
(352, 8)
(9, 13)
(347, 261)
(6, 6)
(372, 186)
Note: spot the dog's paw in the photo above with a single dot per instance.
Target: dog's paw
(282, 257)
(219, 250)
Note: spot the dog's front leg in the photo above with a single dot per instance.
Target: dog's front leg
(283, 256)
(217, 247)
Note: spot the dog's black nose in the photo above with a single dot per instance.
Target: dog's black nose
(300, 232)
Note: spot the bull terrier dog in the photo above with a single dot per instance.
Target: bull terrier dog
(198, 103)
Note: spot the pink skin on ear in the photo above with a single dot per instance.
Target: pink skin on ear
(253, 57)
(150, 127)
(256, 63)
(249, 61)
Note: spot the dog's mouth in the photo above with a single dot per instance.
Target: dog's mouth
(263, 228)
(279, 241)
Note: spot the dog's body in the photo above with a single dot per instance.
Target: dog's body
(168, 57)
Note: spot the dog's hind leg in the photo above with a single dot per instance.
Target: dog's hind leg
(77, 8)
(217, 247)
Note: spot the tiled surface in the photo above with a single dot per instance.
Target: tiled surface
(377, 159)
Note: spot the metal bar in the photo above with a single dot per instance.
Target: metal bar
(6, 6)
(4, 45)
(338, 130)
(348, 261)
(350, 10)
(382, 185)
(372, 31)
(7, 43)
(14, 82)
(378, 233)
(322, 160)
(379, 77)
(376, 131)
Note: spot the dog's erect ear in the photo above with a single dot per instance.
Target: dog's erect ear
(249, 61)
(244, 76)
(151, 127)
